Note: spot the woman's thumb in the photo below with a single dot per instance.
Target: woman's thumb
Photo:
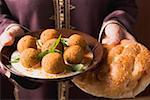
(6, 39)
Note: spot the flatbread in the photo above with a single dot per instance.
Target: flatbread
(124, 72)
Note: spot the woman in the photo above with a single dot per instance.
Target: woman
(115, 16)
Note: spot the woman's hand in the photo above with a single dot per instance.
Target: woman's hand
(7, 37)
(114, 33)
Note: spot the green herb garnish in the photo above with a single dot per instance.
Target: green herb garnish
(58, 51)
(51, 50)
(64, 42)
(42, 54)
(54, 45)
(77, 68)
(16, 60)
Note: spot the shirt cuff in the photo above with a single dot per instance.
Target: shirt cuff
(12, 25)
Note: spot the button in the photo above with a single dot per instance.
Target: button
(61, 2)
(72, 27)
(52, 17)
(72, 7)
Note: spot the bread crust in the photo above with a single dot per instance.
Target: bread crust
(123, 73)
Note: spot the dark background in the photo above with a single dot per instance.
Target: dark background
(142, 28)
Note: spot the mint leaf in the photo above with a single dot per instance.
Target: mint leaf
(42, 54)
(54, 45)
(16, 60)
(64, 42)
(78, 67)
(58, 51)
(52, 49)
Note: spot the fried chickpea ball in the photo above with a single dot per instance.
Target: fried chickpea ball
(29, 59)
(73, 54)
(77, 39)
(25, 42)
(48, 44)
(53, 63)
(48, 34)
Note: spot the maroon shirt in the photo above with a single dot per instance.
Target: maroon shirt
(87, 16)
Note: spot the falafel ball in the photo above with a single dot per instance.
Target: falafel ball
(73, 54)
(53, 63)
(48, 44)
(25, 42)
(29, 59)
(77, 39)
(48, 34)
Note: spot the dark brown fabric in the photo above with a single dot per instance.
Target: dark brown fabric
(6, 88)
(88, 15)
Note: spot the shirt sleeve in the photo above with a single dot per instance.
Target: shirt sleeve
(5, 16)
(123, 11)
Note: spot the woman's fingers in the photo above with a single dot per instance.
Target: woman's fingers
(6, 39)
(15, 30)
(114, 33)
(8, 36)
(110, 41)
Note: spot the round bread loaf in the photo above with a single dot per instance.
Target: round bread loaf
(73, 54)
(49, 43)
(48, 34)
(77, 39)
(123, 73)
(25, 42)
(53, 63)
(29, 59)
